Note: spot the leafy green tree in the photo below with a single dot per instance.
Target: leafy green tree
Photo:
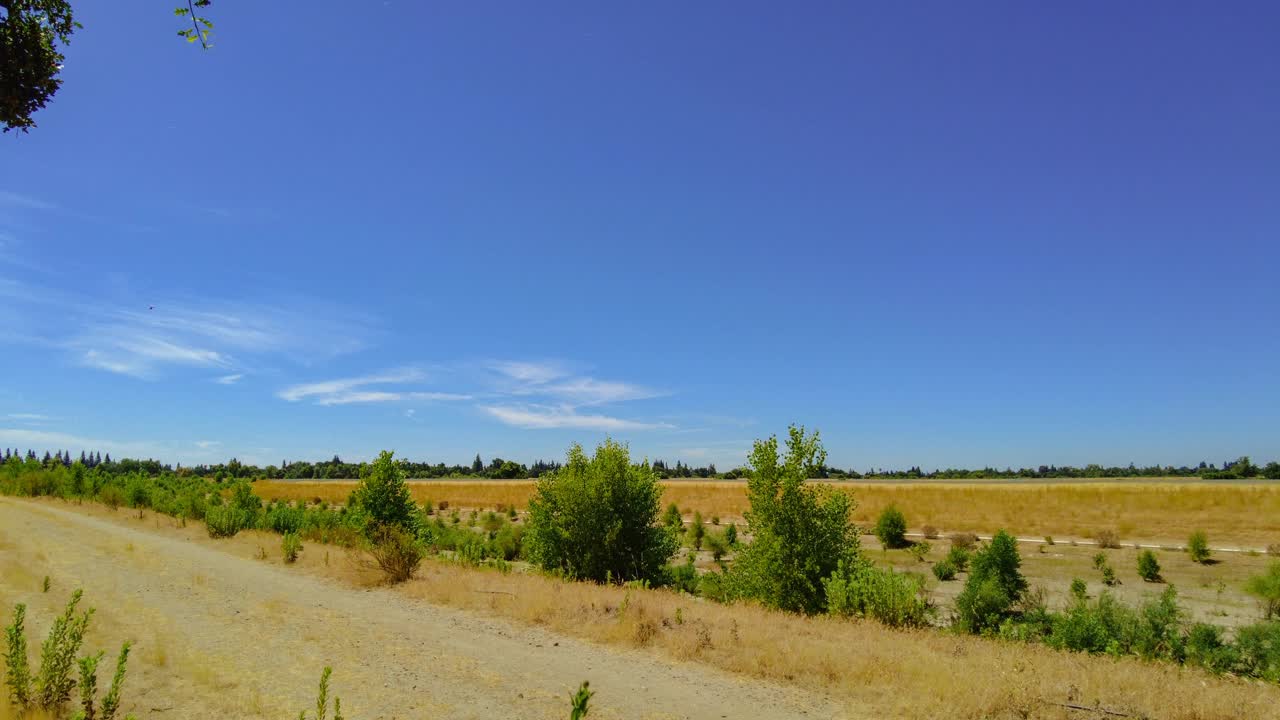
(801, 532)
(1148, 566)
(891, 528)
(995, 584)
(1198, 547)
(1266, 588)
(384, 497)
(596, 518)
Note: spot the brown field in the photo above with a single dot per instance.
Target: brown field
(862, 669)
(1245, 514)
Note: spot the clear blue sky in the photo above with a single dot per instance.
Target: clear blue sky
(942, 233)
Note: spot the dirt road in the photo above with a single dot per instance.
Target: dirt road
(220, 636)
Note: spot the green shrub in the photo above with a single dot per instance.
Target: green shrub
(683, 576)
(224, 521)
(801, 531)
(944, 570)
(1079, 590)
(579, 702)
(995, 585)
(891, 528)
(383, 497)
(716, 543)
(697, 532)
(1266, 587)
(1108, 573)
(1152, 631)
(731, 535)
(1198, 547)
(1149, 567)
(89, 684)
(291, 545)
(672, 518)
(895, 599)
(919, 550)
(959, 557)
(111, 496)
(1206, 647)
(1258, 651)
(284, 519)
(594, 518)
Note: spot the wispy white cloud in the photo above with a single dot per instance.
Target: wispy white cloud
(542, 417)
(533, 373)
(590, 391)
(13, 199)
(229, 379)
(208, 444)
(39, 440)
(29, 417)
(348, 391)
(344, 385)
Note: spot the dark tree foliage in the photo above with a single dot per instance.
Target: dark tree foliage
(32, 33)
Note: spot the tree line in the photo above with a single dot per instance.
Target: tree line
(501, 469)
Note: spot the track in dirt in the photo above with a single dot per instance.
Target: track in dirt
(230, 635)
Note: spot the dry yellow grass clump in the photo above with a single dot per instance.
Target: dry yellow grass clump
(1240, 513)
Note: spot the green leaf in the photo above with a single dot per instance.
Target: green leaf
(180, 11)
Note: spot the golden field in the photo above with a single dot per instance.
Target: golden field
(1246, 514)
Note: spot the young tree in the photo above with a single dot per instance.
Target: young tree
(383, 495)
(891, 528)
(596, 518)
(801, 532)
(995, 584)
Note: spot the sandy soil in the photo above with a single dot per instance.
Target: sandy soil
(220, 636)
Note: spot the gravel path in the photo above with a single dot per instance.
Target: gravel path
(219, 634)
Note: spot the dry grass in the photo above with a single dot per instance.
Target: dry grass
(875, 670)
(1235, 513)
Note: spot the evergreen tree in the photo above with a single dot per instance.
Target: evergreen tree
(477, 466)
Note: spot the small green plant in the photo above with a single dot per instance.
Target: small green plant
(959, 557)
(717, 544)
(1198, 547)
(1079, 590)
(919, 550)
(715, 519)
(697, 532)
(891, 528)
(291, 545)
(1048, 539)
(322, 699)
(731, 535)
(671, 517)
(1149, 567)
(44, 587)
(89, 686)
(1266, 587)
(1108, 573)
(895, 599)
(579, 701)
(944, 570)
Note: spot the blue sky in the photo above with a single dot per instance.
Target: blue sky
(941, 233)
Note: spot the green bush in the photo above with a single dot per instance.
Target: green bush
(682, 576)
(1154, 630)
(112, 496)
(1198, 547)
(1108, 573)
(291, 545)
(895, 599)
(672, 518)
(1149, 567)
(224, 521)
(801, 531)
(919, 550)
(1258, 651)
(718, 546)
(1079, 590)
(731, 535)
(959, 557)
(944, 570)
(995, 585)
(383, 497)
(1266, 587)
(891, 528)
(594, 518)
(697, 532)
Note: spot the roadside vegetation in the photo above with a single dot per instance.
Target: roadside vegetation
(599, 518)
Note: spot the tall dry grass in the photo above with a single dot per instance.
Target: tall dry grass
(1240, 513)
